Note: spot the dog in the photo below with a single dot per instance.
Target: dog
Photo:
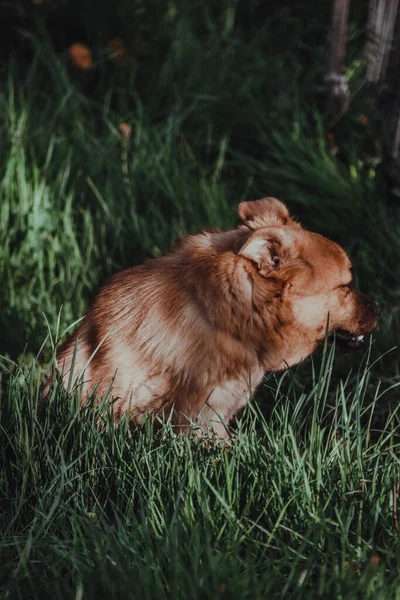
(190, 335)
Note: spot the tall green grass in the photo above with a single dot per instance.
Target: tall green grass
(225, 106)
(302, 505)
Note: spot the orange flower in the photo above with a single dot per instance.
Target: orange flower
(81, 56)
(125, 130)
(374, 561)
(363, 120)
(119, 53)
(330, 136)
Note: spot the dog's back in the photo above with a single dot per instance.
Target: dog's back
(157, 331)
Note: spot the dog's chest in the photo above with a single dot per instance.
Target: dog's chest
(226, 399)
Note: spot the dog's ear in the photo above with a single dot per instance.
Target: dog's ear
(266, 254)
(264, 212)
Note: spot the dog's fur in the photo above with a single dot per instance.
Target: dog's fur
(191, 334)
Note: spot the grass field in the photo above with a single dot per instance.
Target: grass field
(217, 104)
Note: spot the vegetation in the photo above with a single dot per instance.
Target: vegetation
(167, 117)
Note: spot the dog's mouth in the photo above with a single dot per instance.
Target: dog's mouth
(347, 341)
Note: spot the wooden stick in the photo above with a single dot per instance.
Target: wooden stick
(336, 82)
(380, 28)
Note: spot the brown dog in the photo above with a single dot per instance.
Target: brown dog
(191, 334)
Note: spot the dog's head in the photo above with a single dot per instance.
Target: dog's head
(302, 283)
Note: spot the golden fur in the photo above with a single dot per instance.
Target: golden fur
(191, 334)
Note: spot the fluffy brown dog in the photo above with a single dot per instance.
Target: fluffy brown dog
(191, 334)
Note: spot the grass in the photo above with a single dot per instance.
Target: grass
(301, 506)
(224, 105)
